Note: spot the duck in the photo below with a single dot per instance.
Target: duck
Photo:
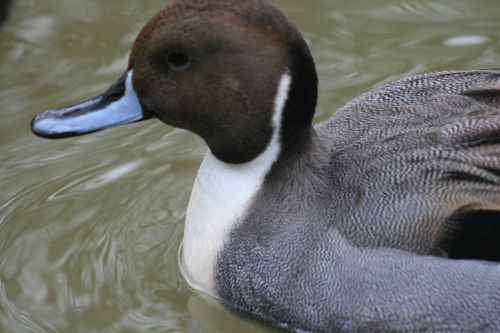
(382, 218)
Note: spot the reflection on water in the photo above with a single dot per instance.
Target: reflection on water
(90, 227)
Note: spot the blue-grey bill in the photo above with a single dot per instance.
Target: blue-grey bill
(117, 106)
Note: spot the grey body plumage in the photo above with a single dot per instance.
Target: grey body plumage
(399, 163)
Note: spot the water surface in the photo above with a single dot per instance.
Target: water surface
(90, 227)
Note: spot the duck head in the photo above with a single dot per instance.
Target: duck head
(212, 67)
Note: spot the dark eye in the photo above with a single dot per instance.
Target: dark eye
(177, 61)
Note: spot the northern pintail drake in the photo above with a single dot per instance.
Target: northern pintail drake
(383, 218)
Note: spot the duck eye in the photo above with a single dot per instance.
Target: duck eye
(177, 61)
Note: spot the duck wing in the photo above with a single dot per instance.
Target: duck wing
(418, 165)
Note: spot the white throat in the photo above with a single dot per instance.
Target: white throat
(221, 195)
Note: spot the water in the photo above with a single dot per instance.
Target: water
(90, 227)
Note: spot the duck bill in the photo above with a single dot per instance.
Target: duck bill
(119, 105)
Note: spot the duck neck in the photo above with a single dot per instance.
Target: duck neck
(223, 192)
(221, 195)
(301, 166)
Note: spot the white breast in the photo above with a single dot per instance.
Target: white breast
(221, 195)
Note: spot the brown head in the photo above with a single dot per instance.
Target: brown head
(212, 67)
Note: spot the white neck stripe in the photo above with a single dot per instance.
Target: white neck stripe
(221, 195)
(280, 100)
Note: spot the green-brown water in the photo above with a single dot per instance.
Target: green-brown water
(90, 227)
